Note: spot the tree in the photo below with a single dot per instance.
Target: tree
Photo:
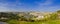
(9, 16)
(53, 16)
(58, 11)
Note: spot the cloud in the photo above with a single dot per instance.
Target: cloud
(45, 5)
(5, 7)
(48, 6)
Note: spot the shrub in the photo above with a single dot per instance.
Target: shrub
(12, 22)
(53, 16)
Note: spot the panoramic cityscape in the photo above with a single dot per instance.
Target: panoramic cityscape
(29, 11)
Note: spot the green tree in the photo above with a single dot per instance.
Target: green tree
(9, 16)
(13, 16)
(53, 16)
(58, 11)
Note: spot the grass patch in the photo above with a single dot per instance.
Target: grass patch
(25, 22)
(47, 22)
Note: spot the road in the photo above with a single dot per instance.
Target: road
(3, 23)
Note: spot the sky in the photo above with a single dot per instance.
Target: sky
(29, 5)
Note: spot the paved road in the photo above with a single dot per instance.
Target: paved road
(3, 23)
